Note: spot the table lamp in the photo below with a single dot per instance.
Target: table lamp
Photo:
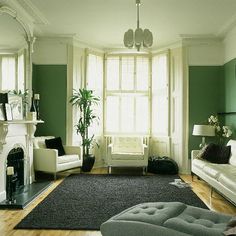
(204, 131)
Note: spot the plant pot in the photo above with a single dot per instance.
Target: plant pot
(88, 162)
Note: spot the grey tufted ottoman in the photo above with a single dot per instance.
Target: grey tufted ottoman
(165, 219)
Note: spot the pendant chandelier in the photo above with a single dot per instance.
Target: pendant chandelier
(138, 37)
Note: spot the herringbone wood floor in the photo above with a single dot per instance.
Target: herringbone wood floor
(9, 218)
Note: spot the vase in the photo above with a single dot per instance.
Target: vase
(88, 162)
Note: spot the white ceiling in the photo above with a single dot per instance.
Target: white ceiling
(102, 23)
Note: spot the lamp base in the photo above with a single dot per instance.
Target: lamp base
(203, 144)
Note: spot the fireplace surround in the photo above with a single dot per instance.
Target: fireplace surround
(17, 136)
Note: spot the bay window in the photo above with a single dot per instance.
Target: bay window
(127, 94)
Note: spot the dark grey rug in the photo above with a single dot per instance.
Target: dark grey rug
(85, 201)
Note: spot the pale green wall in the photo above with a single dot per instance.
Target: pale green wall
(50, 82)
(205, 97)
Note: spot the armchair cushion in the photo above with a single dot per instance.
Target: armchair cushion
(55, 143)
(67, 158)
(127, 145)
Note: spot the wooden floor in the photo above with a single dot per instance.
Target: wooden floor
(9, 218)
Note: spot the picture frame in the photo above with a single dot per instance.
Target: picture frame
(2, 112)
(16, 104)
(8, 111)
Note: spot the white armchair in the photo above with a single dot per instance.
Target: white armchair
(127, 152)
(47, 160)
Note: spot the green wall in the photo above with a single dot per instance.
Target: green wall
(206, 97)
(50, 82)
(230, 94)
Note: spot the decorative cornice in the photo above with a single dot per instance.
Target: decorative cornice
(206, 39)
(227, 27)
(34, 12)
(11, 12)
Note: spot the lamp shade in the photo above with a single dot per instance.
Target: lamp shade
(203, 130)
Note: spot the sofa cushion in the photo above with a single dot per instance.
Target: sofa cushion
(211, 171)
(216, 153)
(67, 158)
(55, 143)
(232, 159)
(199, 163)
(227, 178)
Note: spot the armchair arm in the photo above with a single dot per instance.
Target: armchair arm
(70, 150)
(145, 152)
(45, 159)
(194, 154)
(109, 150)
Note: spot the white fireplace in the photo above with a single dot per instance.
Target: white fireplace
(15, 135)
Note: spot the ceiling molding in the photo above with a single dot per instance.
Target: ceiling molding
(20, 12)
(207, 39)
(63, 39)
(227, 27)
(34, 12)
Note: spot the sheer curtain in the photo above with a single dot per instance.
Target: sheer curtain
(12, 76)
(8, 73)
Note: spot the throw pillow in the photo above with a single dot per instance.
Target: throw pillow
(216, 153)
(55, 143)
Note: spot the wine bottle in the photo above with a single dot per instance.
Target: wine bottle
(32, 108)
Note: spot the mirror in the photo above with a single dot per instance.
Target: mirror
(12, 35)
(16, 43)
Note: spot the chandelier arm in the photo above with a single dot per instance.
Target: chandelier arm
(138, 4)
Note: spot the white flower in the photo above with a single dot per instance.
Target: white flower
(218, 128)
(214, 119)
(226, 132)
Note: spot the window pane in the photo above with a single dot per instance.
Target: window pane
(21, 73)
(127, 114)
(112, 114)
(160, 115)
(95, 83)
(159, 72)
(94, 72)
(142, 73)
(112, 73)
(142, 114)
(127, 81)
(8, 73)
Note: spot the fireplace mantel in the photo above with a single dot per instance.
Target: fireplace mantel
(4, 128)
(15, 134)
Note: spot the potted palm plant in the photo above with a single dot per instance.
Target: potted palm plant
(84, 99)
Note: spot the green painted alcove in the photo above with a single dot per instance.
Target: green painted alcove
(206, 97)
(50, 82)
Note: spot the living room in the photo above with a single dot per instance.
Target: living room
(159, 92)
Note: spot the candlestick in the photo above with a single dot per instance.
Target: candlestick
(10, 170)
(37, 96)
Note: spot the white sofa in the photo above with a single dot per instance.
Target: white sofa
(47, 160)
(222, 177)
